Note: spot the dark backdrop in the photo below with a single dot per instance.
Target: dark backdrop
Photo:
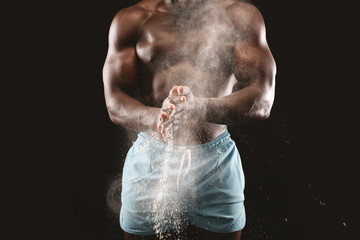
(299, 164)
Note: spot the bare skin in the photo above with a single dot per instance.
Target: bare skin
(145, 54)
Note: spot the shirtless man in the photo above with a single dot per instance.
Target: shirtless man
(156, 49)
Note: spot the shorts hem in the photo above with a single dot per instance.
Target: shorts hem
(229, 230)
(149, 233)
(137, 232)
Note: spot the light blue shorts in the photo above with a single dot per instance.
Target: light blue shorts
(164, 185)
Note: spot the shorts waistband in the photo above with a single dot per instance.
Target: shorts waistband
(222, 138)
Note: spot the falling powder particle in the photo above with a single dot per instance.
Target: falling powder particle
(344, 224)
(286, 220)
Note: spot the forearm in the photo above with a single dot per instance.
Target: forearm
(129, 113)
(245, 106)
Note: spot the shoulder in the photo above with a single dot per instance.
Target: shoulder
(136, 13)
(126, 23)
(131, 16)
(245, 17)
(243, 11)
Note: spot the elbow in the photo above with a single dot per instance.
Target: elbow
(264, 114)
(265, 110)
(113, 118)
(260, 114)
(262, 105)
(113, 113)
(260, 110)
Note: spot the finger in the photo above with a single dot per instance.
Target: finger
(168, 122)
(180, 90)
(169, 112)
(159, 126)
(177, 114)
(172, 107)
(168, 107)
(183, 90)
(176, 100)
(166, 129)
(166, 103)
(163, 116)
(174, 91)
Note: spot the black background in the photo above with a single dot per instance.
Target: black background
(300, 164)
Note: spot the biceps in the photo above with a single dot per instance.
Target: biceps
(254, 66)
(119, 71)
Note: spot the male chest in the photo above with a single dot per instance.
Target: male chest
(163, 43)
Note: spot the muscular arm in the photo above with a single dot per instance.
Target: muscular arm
(253, 66)
(120, 74)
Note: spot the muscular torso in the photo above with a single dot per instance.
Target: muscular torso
(195, 52)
